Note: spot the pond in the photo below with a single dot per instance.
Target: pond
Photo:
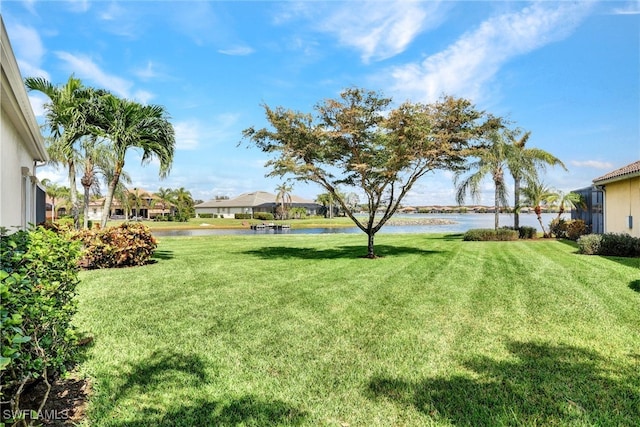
(456, 223)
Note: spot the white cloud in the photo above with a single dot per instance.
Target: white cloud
(596, 164)
(187, 135)
(632, 8)
(78, 6)
(237, 51)
(37, 101)
(28, 49)
(380, 30)
(465, 67)
(86, 69)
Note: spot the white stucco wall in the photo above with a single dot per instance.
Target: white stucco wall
(17, 191)
(21, 144)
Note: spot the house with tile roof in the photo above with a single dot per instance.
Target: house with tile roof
(141, 204)
(252, 203)
(621, 199)
(22, 199)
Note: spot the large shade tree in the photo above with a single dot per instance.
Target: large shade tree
(360, 141)
(130, 125)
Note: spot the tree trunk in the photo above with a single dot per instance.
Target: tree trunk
(86, 207)
(497, 209)
(73, 195)
(516, 203)
(109, 197)
(370, 253)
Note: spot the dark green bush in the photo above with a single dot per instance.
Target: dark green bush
(38, 283)
(244, 216)
(264, 216)
(609, 244)
(488, 234)
(624, 245)
(527, 232)
(125, 245)
(205, 215)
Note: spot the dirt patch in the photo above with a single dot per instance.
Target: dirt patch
(66, 405)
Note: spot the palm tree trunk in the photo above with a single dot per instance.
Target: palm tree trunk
(109, 197)
(538, 211)
(86, 207)
(497, 209)
(516, 203)
(73, 195)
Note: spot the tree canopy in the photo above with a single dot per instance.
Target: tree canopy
(360, 141)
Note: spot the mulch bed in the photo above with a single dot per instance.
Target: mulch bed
(66, 405)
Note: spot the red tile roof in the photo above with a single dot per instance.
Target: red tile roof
(631, 169)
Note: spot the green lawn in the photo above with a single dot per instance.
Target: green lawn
(299, 330)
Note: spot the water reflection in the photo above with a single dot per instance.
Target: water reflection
(461, 223)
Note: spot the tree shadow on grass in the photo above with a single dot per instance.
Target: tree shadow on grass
(635, 285)
(541, 384)
(163, 255)
(169, 372)
(359, 251)
(245, 411)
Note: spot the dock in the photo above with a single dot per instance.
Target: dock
(270, 226)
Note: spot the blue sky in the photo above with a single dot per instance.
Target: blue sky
(568, 71)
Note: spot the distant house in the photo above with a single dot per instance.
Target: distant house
(142, 204)
(252, 203)
(621, 189)
(22, 199)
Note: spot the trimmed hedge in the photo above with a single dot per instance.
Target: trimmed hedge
(38, 283)
(489, 234)
(610, 244)
(264, 216)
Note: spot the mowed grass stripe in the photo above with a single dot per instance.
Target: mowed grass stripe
(299, 330)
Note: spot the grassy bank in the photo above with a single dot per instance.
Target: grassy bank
(298, 330)
(231, 223)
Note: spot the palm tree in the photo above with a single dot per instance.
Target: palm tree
(96, 158)
(128, 124)
(54, 191)
(67, 123)
(184, 203)
(165, 196)
(284, 197)
(523, 163)
(537, 194)
(567, 201)
(492, 160)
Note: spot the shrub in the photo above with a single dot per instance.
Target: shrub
(609, 244)
(558, 227)
(244, 216)
(589, 244)
(623, 245)
(205, 215)
(38, 281)
(125, 245)
(264, 216)
(487, 234)
(575, 228)
(527, 232)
